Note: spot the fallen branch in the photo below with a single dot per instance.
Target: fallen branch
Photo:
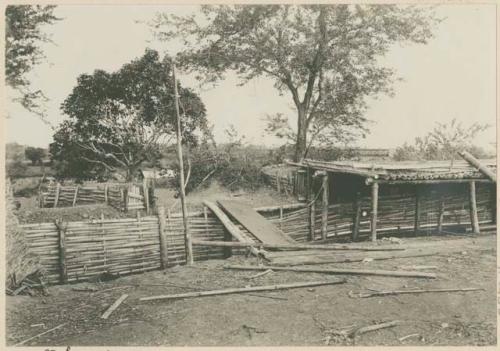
(38, 335)
(407, 337)
(338, 271)
(260, 274)
(374, 327)
(114, 306)
(398, 292)
(291, 246)
(241, 290)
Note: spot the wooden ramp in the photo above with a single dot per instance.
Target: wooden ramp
(256, 224)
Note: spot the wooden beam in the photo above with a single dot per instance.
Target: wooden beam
(114, 306)
(56, 199)
(324, 213)
(369, 181)
(480, 167)
(416, 226)
(349, 271)
(106, 188)
(241, 290)
(473, 207)
(163, 239)
(357, 218)
(294, 246)
(61, 231)
(75, 196)
(374, 210)
(312, 221)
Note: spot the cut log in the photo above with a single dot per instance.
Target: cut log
(337, 271)
(293, 246)
(480, 167)
(241, 290)
(399, 292)
(114, 306)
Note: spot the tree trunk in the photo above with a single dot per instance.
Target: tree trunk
(301, 144)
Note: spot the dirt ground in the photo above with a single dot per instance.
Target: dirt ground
(298, 317)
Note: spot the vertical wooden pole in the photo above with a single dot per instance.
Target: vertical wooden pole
(473, 207)
(106, 193)
(187, 235)
(61, 230)
(125, 199)
(374, 210)
(163, 241)
(281, 217)
(56, 198)
(416, 226)
(356, 218)
(75, 196)
(493, 196)
(312, 221)
(146, 194)
(441, 217)
(324, 217)
(278, 183)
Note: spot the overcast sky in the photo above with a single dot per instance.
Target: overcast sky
(454, 76)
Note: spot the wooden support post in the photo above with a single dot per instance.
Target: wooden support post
(125, 200)
(281, 217)
(106, 188)
(416, 226)
(56, 197)
(441, 217)
(324, 217)
(163, 239)
(146, 194)
(278, 183)
(473, 207)
(357, 218)
(312, 221)
(481, 168)
(61, 231)
(374, 210)
(493, 196)
(75, 196)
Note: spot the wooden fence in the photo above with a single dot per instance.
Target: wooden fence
(123, 196)
(75, 251)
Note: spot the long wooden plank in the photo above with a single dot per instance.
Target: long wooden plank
(241, 290)
(256, 224)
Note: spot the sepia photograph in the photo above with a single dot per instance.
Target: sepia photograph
(241, 174)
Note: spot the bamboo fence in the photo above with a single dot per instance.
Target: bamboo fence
(75, 251)
(123, 196)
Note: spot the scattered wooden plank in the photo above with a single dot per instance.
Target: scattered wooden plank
(293, 246)
(241, 290)
(114, 306)
(338, 271)
(260, 274)
(398, 292)
(417, 267)
(38, 335)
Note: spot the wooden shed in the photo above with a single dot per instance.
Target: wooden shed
(369, 198)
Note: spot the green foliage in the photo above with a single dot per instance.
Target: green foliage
(23, 36)
(443, 143)
(16, 169)
(119, 120)
(35, 155)
(327, 57)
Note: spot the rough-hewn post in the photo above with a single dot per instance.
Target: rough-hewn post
(146, 194)
(163, 240)
(416, 226)
(312, 221)
(473, 207)
(441, 217)
(374, 210)
(324, 217)
(356, 217)
(61, 231)
(106, 193)
(75, 196)
(125, 199)
(56, 196)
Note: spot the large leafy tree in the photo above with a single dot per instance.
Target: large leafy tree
(119, 119)
(326, 57)
(24, 33)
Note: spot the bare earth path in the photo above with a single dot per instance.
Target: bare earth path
(292, 317)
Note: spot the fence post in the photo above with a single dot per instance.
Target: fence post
(61, 231)
(281, 217)
(75, 196)
(106, 193)
(441, 217)
(324, 218)
(125, 199)
(374, 210)
(163, 241)
(473, 207)
(145, 191)
(56, 198)
(417, 210)
(312, 221)
(357, 217)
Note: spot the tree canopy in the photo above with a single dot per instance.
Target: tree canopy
(23, 36)
(34, 154)
(117, 120)
(327, 57)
